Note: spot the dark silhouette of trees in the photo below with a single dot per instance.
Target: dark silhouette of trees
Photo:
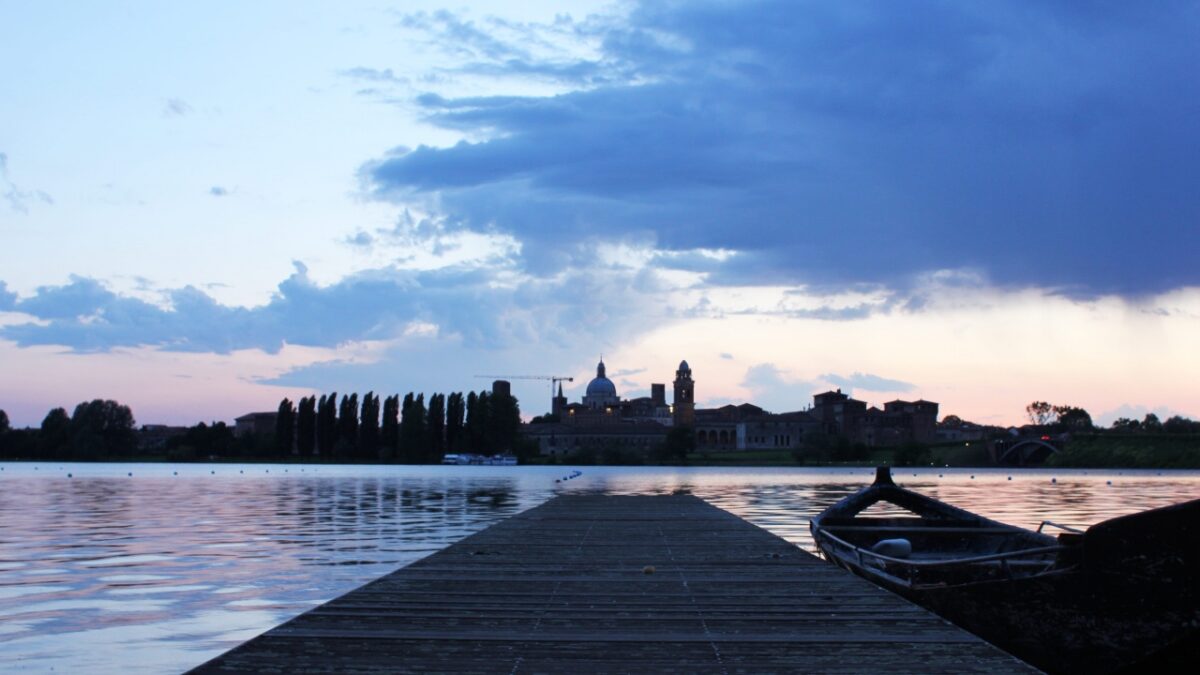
(412, 429)
(1040, 413)
(679, 443)
(503, 423)
(285, 428)
(1071, 418)
(327, 425)
(203, 442)
(55, 436)
(1060, 417)
(1177, 424)
(435, 427)
(1126, 424)
(368, 428)
(391, 427)
(477, 424)
(100, 429)
(6, 436)
(306, 426)
(345, 447)
(455, 413)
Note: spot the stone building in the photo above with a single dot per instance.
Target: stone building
(604, 419)
(255, 424)
(897, 423)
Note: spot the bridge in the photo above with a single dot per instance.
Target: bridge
(1027, 450)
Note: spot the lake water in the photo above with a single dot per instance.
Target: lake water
(156, 568)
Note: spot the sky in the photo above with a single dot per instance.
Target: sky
(206, 207)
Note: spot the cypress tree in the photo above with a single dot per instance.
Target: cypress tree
(306, 426)
(412, 429)
(479, 424)
(347, 442)
(285, 428)
(391, 427)
(327, 424)
(435, 427)
(454, 422)
(368, 428)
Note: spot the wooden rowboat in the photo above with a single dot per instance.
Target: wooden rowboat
(1125, 594)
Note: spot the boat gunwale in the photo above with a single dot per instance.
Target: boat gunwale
(818, 531)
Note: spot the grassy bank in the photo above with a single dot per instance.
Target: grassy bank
(1145, 451)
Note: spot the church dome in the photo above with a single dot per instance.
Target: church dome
(601, 385)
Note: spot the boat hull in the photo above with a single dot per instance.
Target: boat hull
(1121, 597)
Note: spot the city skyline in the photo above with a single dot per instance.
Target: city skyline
(208, 208)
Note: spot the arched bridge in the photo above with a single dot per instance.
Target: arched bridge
(1026, 450)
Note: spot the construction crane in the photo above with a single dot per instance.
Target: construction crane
(554, 380)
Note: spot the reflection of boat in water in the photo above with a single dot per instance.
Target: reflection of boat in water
(480, 460)
(1122, 593)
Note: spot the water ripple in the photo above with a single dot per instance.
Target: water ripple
(159, 571)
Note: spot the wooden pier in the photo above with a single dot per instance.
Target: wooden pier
(661, 584)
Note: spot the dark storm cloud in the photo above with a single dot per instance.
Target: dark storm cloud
(1042, 143)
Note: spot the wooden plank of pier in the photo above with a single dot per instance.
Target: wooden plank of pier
(599, 583)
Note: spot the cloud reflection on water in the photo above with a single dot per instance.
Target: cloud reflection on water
(157, 572)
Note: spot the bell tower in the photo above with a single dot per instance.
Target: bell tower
(685, 396)
(558, 404)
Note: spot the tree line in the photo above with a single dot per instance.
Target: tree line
(96, 429)
(413, 429)
(1070, 418)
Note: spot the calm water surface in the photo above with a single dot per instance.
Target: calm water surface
(158, 571)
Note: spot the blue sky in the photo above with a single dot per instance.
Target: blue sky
(207, 207)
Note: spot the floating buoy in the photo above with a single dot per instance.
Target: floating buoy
(69, 476)
(648, 569)
(972, 476)
(1010, 477)
(240, 471)
(130, 474)
(1053, 480)
(174, 473)
(1110, 482)
(213, 472)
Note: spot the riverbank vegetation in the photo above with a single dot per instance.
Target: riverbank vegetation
(415, 429)
(1130, 450)
(353, 429)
